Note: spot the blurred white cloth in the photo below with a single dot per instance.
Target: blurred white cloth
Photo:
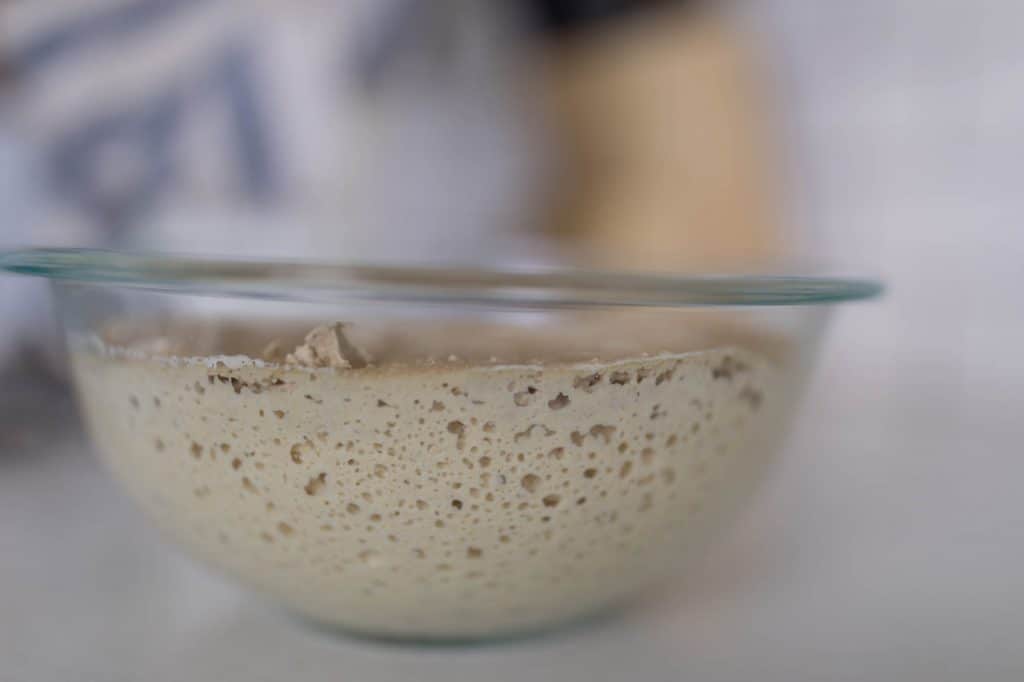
(340, 130)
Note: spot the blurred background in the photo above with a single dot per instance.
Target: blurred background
(884, 136)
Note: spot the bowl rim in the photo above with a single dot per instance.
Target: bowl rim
(320, 281)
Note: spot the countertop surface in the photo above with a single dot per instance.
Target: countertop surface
(886, 546)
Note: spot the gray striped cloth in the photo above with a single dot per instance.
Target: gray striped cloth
(348, 129)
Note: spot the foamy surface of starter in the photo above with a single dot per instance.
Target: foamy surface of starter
(444, 498)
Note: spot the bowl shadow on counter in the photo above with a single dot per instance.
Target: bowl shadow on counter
(36, 412)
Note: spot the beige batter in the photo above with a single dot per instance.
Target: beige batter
(434, 499)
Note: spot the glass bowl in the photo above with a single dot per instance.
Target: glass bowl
(435, 453)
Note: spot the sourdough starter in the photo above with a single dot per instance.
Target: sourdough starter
(444, 499)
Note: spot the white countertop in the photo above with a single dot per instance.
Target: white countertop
(888, 546)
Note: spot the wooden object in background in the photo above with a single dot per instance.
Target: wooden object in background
(666, 163)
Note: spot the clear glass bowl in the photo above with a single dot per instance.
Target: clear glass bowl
(469, 453)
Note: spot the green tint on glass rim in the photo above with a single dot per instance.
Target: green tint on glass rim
(319, 281)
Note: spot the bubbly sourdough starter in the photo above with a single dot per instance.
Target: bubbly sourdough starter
(438, 499)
